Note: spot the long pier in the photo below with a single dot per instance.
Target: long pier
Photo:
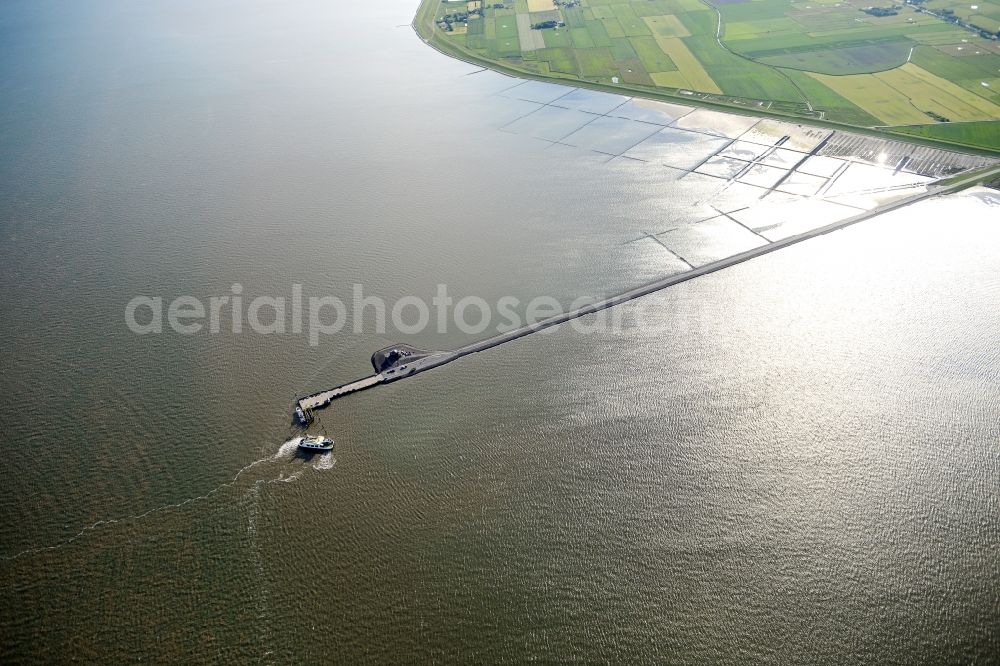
(401, 361)
(323, 398)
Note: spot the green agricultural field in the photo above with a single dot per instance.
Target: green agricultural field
(651, 55)
(986, 14)
(845, 60)
(968, 134)
(930, 69)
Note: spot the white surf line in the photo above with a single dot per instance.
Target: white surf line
(282, 451)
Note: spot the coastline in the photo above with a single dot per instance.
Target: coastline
(423, 26)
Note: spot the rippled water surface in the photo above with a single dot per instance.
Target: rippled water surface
(795, 459)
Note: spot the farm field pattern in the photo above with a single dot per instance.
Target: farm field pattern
(928, 69)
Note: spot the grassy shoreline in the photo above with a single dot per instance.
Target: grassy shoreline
(424, 25)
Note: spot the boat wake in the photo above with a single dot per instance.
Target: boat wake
(286, 450)
(285, 453)
(326, 461)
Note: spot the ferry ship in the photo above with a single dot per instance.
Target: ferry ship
(315, 443)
